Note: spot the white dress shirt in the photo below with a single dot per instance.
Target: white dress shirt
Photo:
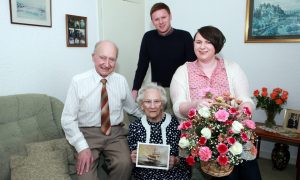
(82, 106)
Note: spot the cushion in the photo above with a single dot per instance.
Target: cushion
(50, 165)
(17, 133)
(40, 106)
(51, 145)
(54, 145)
(13, 136)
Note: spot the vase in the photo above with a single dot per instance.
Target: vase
(280, 156)
(214, 169)
(270, 122)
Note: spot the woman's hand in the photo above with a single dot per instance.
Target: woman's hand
(133, 156)
(173, 161)
(204, 103)
(185, 107)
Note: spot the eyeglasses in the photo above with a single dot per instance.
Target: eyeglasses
(149, 102)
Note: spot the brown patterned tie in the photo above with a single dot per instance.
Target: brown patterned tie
(105, 121)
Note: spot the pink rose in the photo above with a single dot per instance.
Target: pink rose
(231, 140)
(222, 160)
(192, 113)
(205, 153)
(222, 148)
(207, 92)
(249, 123)
(184, 125)
(247, 111)
(222, 115)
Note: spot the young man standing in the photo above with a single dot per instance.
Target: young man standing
(165, 48)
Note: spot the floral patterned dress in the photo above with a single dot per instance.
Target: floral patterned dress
(137, 133)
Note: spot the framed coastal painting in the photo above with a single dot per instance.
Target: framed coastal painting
(155, 156)
(270, 21)
(291, 120)
(76, 31)
(31, 12)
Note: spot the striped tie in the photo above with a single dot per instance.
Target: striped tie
(105, 122)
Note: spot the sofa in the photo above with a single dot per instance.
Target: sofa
(32, 142)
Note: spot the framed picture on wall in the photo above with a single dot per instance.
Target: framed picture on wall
(272, 21)
(76, 31)
(31, 12)
(291, 120)
(155, 156)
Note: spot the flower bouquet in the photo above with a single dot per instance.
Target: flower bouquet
(270, 103)
(216, 135)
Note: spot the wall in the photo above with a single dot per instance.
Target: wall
(127, 34)
(35, 59)
(266, 64)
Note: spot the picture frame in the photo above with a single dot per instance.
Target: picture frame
(291, 120)
(155, 156)
(31, 12)
(76, 31)
(272, 21)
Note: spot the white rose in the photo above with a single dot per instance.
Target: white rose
(206, 132)
(236, 127)
(184, 143)
(204, 112)
(236, 148)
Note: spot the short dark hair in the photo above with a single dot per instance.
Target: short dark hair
(159, 6)
(214, 35)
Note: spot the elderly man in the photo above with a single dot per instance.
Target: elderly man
(93, 114)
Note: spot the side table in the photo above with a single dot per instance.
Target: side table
(276, 137)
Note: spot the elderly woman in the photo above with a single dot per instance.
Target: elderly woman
(222, 76)
(156, 127)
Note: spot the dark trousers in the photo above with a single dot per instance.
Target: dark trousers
(248, 170)
(115, 150)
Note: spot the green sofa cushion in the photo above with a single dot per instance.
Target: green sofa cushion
(26, 118)
(54, 145)
(13, 137)
(50, 165)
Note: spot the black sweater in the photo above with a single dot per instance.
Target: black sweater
(165, 54)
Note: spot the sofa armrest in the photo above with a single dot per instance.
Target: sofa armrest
(57, 108)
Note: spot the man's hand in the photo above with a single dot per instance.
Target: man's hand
(84, 161)
(134, 94)
(133, 156)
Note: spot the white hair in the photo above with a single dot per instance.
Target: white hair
(163, 94)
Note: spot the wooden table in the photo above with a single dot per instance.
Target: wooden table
(276, 137)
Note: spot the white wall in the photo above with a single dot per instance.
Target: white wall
(266, 64)
(35, 59)
(126, 33)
